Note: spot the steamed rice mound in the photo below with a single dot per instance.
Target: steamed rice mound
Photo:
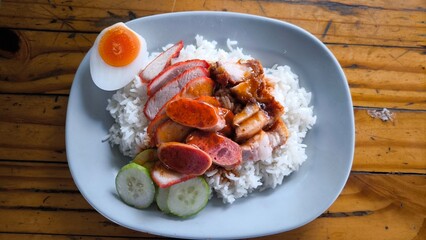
(129, 130)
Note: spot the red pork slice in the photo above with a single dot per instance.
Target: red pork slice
(223, 151)
(184, 158)
(160, 62)
(159, 119)
(173, 71)
(164, 177)
(171, 89)
(202, 86)
(199, 87)
(196, 114)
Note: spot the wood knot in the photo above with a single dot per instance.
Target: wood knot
(9, 43)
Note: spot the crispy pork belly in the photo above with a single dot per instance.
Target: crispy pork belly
(248, 111)
(278, 133)
(236, 72)
(225, 98)
(257, 148)
(251, 126)
(261, 145)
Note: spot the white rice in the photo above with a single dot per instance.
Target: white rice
(129, 129)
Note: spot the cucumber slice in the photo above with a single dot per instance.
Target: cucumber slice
(189, 197)
(134, 186)
(161, 199)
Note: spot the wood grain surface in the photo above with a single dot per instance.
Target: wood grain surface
(380, 44)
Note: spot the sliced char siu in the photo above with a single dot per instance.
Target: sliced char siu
(171, 89)
(173, 71)
(197, 88)
(160, 62)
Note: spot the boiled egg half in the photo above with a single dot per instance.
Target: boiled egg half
(117, 56)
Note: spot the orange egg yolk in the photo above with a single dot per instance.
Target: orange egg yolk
(119, 46)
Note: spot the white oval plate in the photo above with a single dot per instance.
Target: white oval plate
(301, 198)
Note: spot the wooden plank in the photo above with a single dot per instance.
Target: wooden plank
(380, 58)
(32, 236)
(40, 109)
(46, 200)
(27, 154)
(386, 88)
(382, 4)
(395, 146)
(390, 187)
(379, 76)
(391, 205)
(36, 176)
(164, 5)
(33, 136)
(358, 24)
(62, 222)
(380, 148)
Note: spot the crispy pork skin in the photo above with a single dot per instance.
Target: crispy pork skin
(252, 125)
(257, 148)
(231, 73)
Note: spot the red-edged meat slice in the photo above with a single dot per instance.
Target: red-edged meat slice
(195, 114)
(164, 177)
(184, 158)
(198, 87)
(202, 86)
(159, 119)
(223, 151)
(171, 131)
(160, 62)
(171, 89)
(173, 71)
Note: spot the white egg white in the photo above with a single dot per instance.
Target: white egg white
(111, 78)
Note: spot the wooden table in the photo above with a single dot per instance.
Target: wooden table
(380, 45)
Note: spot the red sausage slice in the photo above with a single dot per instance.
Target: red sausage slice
(184, 158)
(196, 114)
(223, 151)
